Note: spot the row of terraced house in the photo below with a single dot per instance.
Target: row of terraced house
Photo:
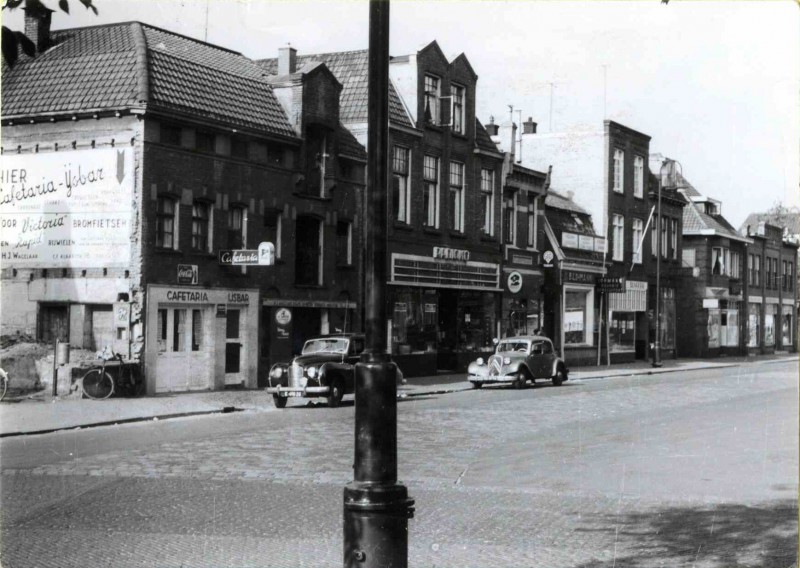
(136, 160)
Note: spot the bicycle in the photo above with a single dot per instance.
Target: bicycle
(98, 383)
(3, 384)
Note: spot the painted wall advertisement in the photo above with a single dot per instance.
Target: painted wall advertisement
(66, 209)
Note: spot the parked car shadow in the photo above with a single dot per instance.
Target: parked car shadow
(722, 536)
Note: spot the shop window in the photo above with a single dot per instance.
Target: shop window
(201, 221)
(430, 191)
(237, 224)
(618, 236)
(457, 116)
(161, 333)
(414, 320)
(622, 331)
(457, 196)
(487, 194)
(197, 330)
(273, 223)
(431, 102)
(723, 328)
(308, 251)
(166, 223)
(786, 330)
(578, 317)
(344, 243)
(619, 164)
(770, 315)
(754, 325)
(179, 330)
(668, 318)
(477, 320)
(401, 198)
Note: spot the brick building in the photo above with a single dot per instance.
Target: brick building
(445, 197)
(608, 171)
(172, 152)
(713, 308)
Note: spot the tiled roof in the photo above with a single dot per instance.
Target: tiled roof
(482, 138)
(688, 189)
(694, 221)
(557, 201)
(350, 69)
(348, 144)
(790, 220)
(114, 66)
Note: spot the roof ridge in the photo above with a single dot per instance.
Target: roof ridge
(142, 69)
(317, 54)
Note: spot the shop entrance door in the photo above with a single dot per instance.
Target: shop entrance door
(185, 350)
(448, 332)
(234, 347)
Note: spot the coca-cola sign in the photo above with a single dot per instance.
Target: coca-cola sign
(187, 274)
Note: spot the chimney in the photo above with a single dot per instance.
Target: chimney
(529, 127)
(570, 194)
(37, 25)
(287, 60)
(491, 128)
(508, 137)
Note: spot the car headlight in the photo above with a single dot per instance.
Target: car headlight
(506, 360)
(276, 373)
(311, 372)
(479, 361)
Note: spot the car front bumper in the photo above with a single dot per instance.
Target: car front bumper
(299, 391)
(492, 378)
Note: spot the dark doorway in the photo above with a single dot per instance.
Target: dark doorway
(53, 322)
(306, 323)
(448, 338)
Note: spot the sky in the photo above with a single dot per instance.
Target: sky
(716, 84)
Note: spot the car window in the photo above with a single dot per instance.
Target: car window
(547, 347)
(338, 345)
(512, 346)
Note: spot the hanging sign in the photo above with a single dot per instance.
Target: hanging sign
(514, 282)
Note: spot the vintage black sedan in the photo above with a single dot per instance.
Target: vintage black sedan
(518, 360)
(324, 368)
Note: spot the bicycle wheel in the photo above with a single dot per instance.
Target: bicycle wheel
(97, 384)
(3, 388)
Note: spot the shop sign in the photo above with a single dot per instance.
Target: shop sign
(450, 254)
(514, 282)
(238, 298)
(548, 257)
(283, 316)
(569, 240)
(611, 284)
(599, 244)
(67, 209)
(238, 257)
(222, 310)
(430, 308)
(522, 259)
(577, 277)
(187, 274)
(711, 303)
(636, 285)
(187, 296)
(586, 242)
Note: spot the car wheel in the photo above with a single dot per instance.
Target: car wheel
(279, 401)
(521, 381)
(476, 384)
(558, 378)
(337, 392)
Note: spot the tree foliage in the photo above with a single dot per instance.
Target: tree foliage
(14, 41)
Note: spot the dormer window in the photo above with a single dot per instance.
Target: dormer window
(432, 94)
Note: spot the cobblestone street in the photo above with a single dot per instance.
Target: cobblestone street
(695, 469)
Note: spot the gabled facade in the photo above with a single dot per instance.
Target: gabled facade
(174, 153)
(444, 244)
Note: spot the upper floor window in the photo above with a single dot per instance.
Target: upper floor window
(654, 237)
(201, 222)
(273, 224)
(308, 251)
(432, 95)
(718, 263)
(487, 193)
(430, 191)
(638, 233)
(237, 224)
(510, 217)
(401, 198)
(619, 165)
(673, 235)
(344, 243)
(457, 195)
(166, 223)
(664, 238)
(171, 134)
(735, 265)
(204, 140)
(638, 176)
(757, 270)
(531, 242)
(457, 118)
(790, 276)
(618, 236)
(238, 148)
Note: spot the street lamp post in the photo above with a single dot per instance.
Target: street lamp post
(376, 506)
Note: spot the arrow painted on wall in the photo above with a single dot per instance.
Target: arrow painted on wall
(120, 166)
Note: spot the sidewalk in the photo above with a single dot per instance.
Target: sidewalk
(39, 413)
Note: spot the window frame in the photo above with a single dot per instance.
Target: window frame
(457, 191)
(673, 238)
(202, 222)
(638, 177)
(458, 94)
(619, 171)
(242, 230)
(401, 169)
(431, 190)
(487, 192)
(637, 226)
(162, 216)
(618, 223)
(431, 99)
(510, 227)
(348, 252)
